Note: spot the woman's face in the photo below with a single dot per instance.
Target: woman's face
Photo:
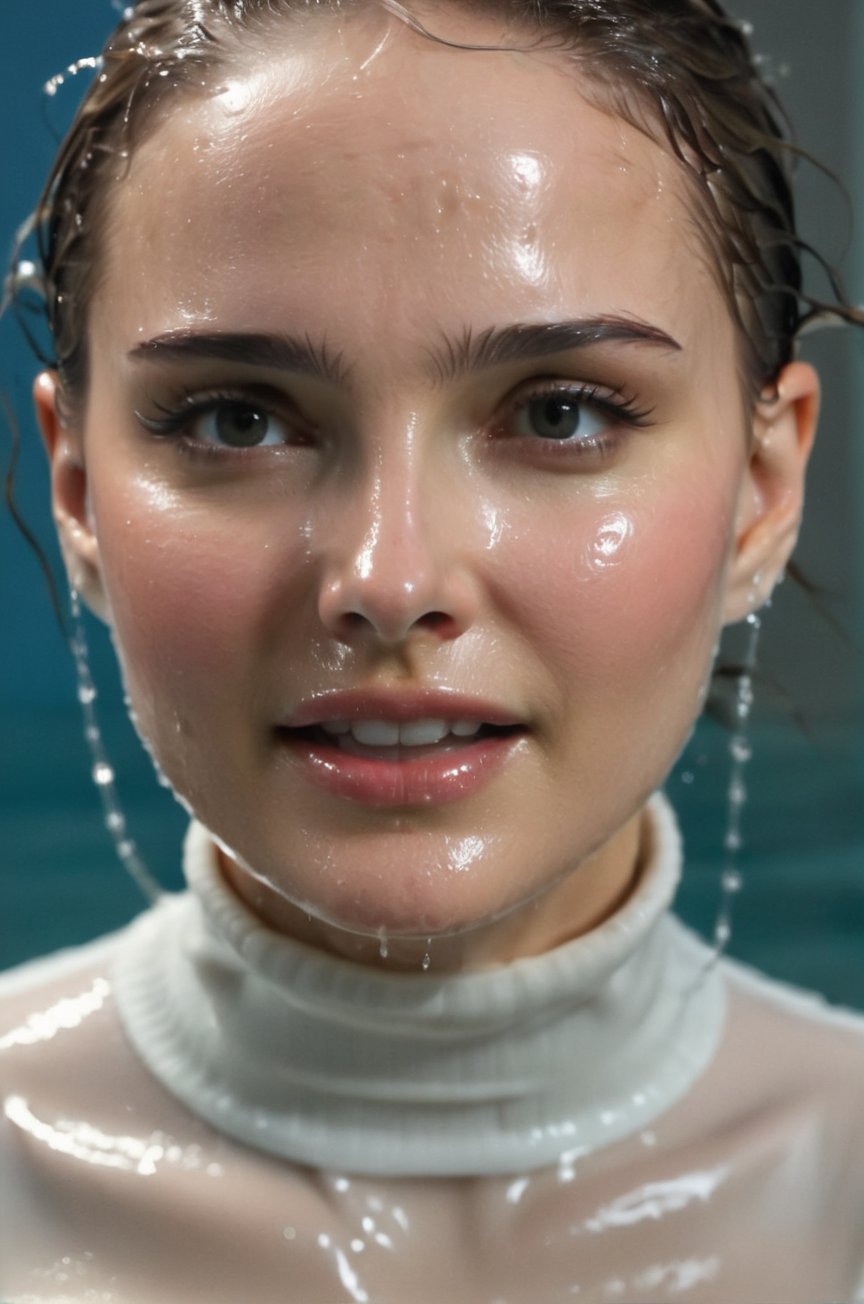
(413, 400)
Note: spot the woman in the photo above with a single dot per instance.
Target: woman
(416, 450)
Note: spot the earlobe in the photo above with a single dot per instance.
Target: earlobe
(772, 492)
(69, 499)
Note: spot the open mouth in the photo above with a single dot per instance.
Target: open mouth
(396, 751)
(398, 741)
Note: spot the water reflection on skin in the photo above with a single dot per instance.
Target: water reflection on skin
(612, 535)
(526, 251)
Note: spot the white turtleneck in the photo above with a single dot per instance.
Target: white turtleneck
(332, 1064)
(198, 1110)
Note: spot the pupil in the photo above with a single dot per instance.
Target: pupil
(556, 418)
(241, 426)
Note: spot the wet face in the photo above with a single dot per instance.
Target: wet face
(414, 448)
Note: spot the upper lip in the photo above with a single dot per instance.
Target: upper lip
(398, 705)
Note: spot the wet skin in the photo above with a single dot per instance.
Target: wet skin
(412, 522)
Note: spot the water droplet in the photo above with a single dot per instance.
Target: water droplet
(383, 944)
(743, 707)
(740, 749)
(732, 881)
(102, 773)
(737, 792)
(426, 962)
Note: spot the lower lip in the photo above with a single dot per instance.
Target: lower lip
(433, 778)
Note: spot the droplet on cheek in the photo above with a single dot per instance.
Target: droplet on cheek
(612, 534)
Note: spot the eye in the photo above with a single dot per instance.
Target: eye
(226, 422)
(239, 425)
(560, 416)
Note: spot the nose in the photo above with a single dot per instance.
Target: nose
(395, 568)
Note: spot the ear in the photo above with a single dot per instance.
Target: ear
(69, 498)
(772, 490)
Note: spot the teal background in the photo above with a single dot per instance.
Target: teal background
(801, 915)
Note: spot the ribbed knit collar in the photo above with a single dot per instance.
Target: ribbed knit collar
(333, 1064)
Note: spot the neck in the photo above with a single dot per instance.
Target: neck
(341, 1067)
(576, 902)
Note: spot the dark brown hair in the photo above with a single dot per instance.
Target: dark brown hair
(680, 70)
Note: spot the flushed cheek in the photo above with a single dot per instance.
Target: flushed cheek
(187, 600)
(626, 586)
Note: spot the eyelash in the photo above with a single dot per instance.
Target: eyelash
(612, 403)
(177, 420)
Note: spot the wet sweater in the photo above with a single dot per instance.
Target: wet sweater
(197, 1109)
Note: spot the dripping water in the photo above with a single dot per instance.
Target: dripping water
(427, 956)
(383, 943)
(89, 63)
(101, 770)
(740, 754)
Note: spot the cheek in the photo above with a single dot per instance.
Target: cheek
(187, 583)
(621, 590)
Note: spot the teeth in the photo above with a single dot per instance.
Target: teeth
(392, 733)
(422, 733)
(376, 733)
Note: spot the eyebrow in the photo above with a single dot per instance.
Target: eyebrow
(496, 347)
(452, 358)
(298, 354)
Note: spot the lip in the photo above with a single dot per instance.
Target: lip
(435, 776)
(396, 705)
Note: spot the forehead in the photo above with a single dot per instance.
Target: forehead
(362, 163)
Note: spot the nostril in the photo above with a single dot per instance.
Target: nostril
(437, 622)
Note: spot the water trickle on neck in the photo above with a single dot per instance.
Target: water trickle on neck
(740, 754)
(102, 772)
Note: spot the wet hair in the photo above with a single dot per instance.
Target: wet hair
(680, 70)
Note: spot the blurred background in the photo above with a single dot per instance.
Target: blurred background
(801, 913)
